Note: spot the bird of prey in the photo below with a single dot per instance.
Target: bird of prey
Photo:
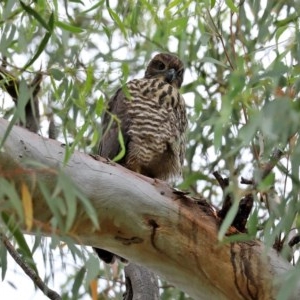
(152, 118)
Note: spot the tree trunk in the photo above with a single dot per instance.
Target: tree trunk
(145, 221)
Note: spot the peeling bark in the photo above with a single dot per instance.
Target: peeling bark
(145, 221)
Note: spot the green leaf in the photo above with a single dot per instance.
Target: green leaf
(231, 5)
(92, 266)
(89, 208)
(78, 282)
(289, 284)
(69, 195)
(228, 220)
(8, 130)
(35, 15)
(117, 19)
(69, 27)
(8, 191)
(18, 235)
(3, 261)
(57, 74)
(280, 31)
(7, 37)
(99, 106)
(88, 83)
(43, 43)
(122, 145)
(267, 182)
(218, 134)
(179, 23)
(51, 204)
(79, 136)
(99, 3)
(213, 61)
(173, 4)
(41, 48)
(291, 18)
(23, 98)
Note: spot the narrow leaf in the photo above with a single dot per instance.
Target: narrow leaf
(12, 196)
(121, 141)
(57, 74)
(78, 282)
(69, 194)
(213, 61)
(42, 45)
(51, 203)
(18, 235)
(92, 266)
(228, 220)
(231, 5)
(3, 261)
(89, 209)
(27, 206)
(173, 4)
(69, 27)
(41, 48)
(117, 19)
(35, 15)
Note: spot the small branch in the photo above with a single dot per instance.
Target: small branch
(244, 209)
(295, 240)
(232, 35)
(28, 270)
(223, 182)
(243, 213)
(219, 36)
(268, 167)
(246, 181)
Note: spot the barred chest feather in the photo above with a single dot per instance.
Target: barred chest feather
(156, 111)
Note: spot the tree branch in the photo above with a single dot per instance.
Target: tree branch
(51, 294)
(144, 221)
(141, 284)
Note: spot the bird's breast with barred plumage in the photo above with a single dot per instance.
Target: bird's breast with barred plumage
(157, 124)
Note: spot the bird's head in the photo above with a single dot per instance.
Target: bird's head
(166, 66)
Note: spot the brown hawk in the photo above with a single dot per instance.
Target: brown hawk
(153, 121)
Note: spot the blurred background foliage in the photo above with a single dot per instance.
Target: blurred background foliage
(241, 89)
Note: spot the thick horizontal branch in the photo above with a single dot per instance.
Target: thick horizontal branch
(147, 222)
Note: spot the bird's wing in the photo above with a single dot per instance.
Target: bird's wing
(117, 108)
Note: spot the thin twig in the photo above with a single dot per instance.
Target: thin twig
(232, 36)
(294, 241)
(219, 36)
(268, 167)
(28, 270)
(223, 182)
(246, 181)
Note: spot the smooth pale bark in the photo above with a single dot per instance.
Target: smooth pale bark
(147, 222)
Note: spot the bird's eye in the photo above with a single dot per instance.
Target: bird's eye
(180, 72)
(160, 65)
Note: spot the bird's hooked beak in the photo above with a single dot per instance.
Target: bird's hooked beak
(170, 75)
